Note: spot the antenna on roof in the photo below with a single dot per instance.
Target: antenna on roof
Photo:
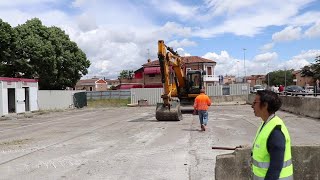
(149, 60)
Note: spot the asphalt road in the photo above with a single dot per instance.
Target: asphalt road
(128, 143)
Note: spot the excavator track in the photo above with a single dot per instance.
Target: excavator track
(166, 114)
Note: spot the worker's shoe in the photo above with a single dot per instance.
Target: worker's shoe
(203, 127)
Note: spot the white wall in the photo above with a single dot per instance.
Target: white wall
(55, 99)
(33, 100)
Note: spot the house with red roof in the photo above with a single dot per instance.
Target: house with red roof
(149, 75)
(94, 84)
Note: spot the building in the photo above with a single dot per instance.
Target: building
(256, 80)
(302, 81)
(94, 84)
(207, 65)
(112, 84)
(135, 82)
(149, 76)
(18, 95)
(229, 79)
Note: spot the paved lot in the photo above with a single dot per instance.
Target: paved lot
(128, 143)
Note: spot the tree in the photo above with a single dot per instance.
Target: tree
(49, 54)
(316, 68)
(280, 77)
(126, 74)
(7, 37)
(307, 71)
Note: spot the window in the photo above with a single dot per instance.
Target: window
(209, 70)
(91, 88)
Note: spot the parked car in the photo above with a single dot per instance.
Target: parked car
(294, 90)
(309, 89)
(257, 88)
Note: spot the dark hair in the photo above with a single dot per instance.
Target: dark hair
(271, 98)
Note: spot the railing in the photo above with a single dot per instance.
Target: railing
(210, 78)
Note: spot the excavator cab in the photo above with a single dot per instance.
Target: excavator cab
(194, 81)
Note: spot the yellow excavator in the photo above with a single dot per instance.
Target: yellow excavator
(180, 87)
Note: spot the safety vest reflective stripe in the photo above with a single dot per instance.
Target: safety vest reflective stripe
(266, 164)
(262, 178)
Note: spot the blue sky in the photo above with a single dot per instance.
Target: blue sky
(118, 34)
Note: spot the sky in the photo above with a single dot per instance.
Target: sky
(246, 37)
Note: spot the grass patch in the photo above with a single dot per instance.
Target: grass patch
(108, 103)
(14, 142)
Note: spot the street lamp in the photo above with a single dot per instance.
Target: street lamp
(244, 63)
(238, 68)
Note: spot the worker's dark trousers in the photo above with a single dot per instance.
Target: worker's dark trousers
(203, 116)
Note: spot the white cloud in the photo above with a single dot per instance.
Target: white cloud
(49, 18)
(313, 31)
(86, 22)
(249, 18)
(184, 12)
(182, 52)
(266, 57)
(288, 34)
(295, 64)
(299, 61)
(267, 47)
(15, 3)
(79, 3)
(220, 7)
(225, 63)
(308, 55)
(183, 43)
(305, 19)
(172, 28)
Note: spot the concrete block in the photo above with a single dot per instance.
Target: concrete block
(236, 165)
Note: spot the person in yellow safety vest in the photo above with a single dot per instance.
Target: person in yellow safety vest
(201, 104)
(271, 151)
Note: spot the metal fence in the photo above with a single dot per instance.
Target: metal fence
(153, 95)
(110, 94)
(232, 89)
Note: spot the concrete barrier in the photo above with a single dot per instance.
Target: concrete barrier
(307, 106)
(301, 105)
(236, 165)
(229, 99)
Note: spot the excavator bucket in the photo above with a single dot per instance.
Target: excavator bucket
(166, 114)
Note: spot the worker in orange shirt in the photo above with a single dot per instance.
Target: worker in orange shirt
(201, 104)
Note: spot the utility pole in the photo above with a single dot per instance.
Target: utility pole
(148, 53)
(285, 77)
(244, 63)
(238, 68)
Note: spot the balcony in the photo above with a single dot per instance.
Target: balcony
(210, 78)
